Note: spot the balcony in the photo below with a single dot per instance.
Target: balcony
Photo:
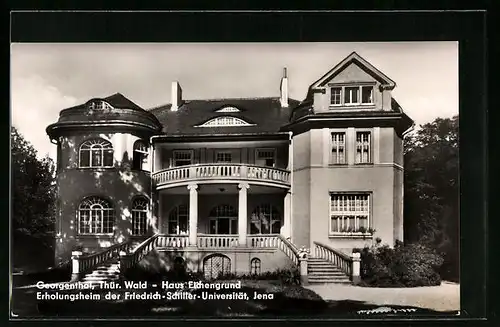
(222, 172)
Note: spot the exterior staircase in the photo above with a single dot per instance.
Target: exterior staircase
(321, 271)
(107, 271)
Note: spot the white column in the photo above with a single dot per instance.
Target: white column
(287, 215)
(193, 214)
(242, 214)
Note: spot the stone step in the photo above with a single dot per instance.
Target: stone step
(329, 282)
(325, 273)
(97, 278)
(327, 278)
(323, 266)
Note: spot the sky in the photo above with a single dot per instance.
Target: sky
(47, 77)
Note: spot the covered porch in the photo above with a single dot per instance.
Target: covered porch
(223, 215)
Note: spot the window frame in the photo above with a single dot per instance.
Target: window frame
(109, 209)
(272, 219)
(231, 215)
(275, 156)
(174, 160)
(370, 150)
(344, 132)
(106, 147)
(224, 152)
(225, 121)
(178, 215)
(255, 264)
(341, 89)
(369, 214)
(360, 86)
(144, 155)
(135, 210)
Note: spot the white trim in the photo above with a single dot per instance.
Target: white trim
(225, 121)
(354, 213)
(370, 146)
(331, 132)
(343, 87)
(105, 145)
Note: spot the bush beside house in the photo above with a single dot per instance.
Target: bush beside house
(409, 265)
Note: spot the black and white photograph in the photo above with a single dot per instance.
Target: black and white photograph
(235, 180)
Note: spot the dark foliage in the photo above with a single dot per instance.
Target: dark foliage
(33, 197)
(284, 276)
(408, 265)
(431, 207)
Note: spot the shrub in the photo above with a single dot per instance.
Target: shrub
(402, 266)
(289, 276)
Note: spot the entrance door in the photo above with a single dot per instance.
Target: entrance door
(216, 265)
(223, 225)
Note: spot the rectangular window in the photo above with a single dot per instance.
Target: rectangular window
(265, 157)
(351, 95)
(183, 158)
(338, 148)
(363, 147)
(349, 213)
(367, 94)
(223, 157)
(336, 96)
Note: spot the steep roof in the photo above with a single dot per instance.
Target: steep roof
(116, 100)
(265, 115)
(360, 62)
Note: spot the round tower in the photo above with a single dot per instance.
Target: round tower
(103, 174)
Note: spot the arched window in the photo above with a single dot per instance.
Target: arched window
(225, 121)
(178, 220)
(95, 216)
(255, 266)
(96, 153)
(139, 216)
(265, 219)
(141, 153)
(223, 220)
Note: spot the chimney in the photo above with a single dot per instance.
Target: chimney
(284, 89)
(176, 96)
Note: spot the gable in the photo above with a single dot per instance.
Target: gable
(351, 68)
(353, 73)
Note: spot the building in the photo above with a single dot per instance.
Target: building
(236, 183)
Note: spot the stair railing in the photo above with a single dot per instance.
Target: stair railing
(82, 263)
(130, 259)
(350, 265)
(290, 250)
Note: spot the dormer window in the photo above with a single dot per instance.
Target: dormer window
(351, 95)
(99, 105)
(228, 109)
(225, 121)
